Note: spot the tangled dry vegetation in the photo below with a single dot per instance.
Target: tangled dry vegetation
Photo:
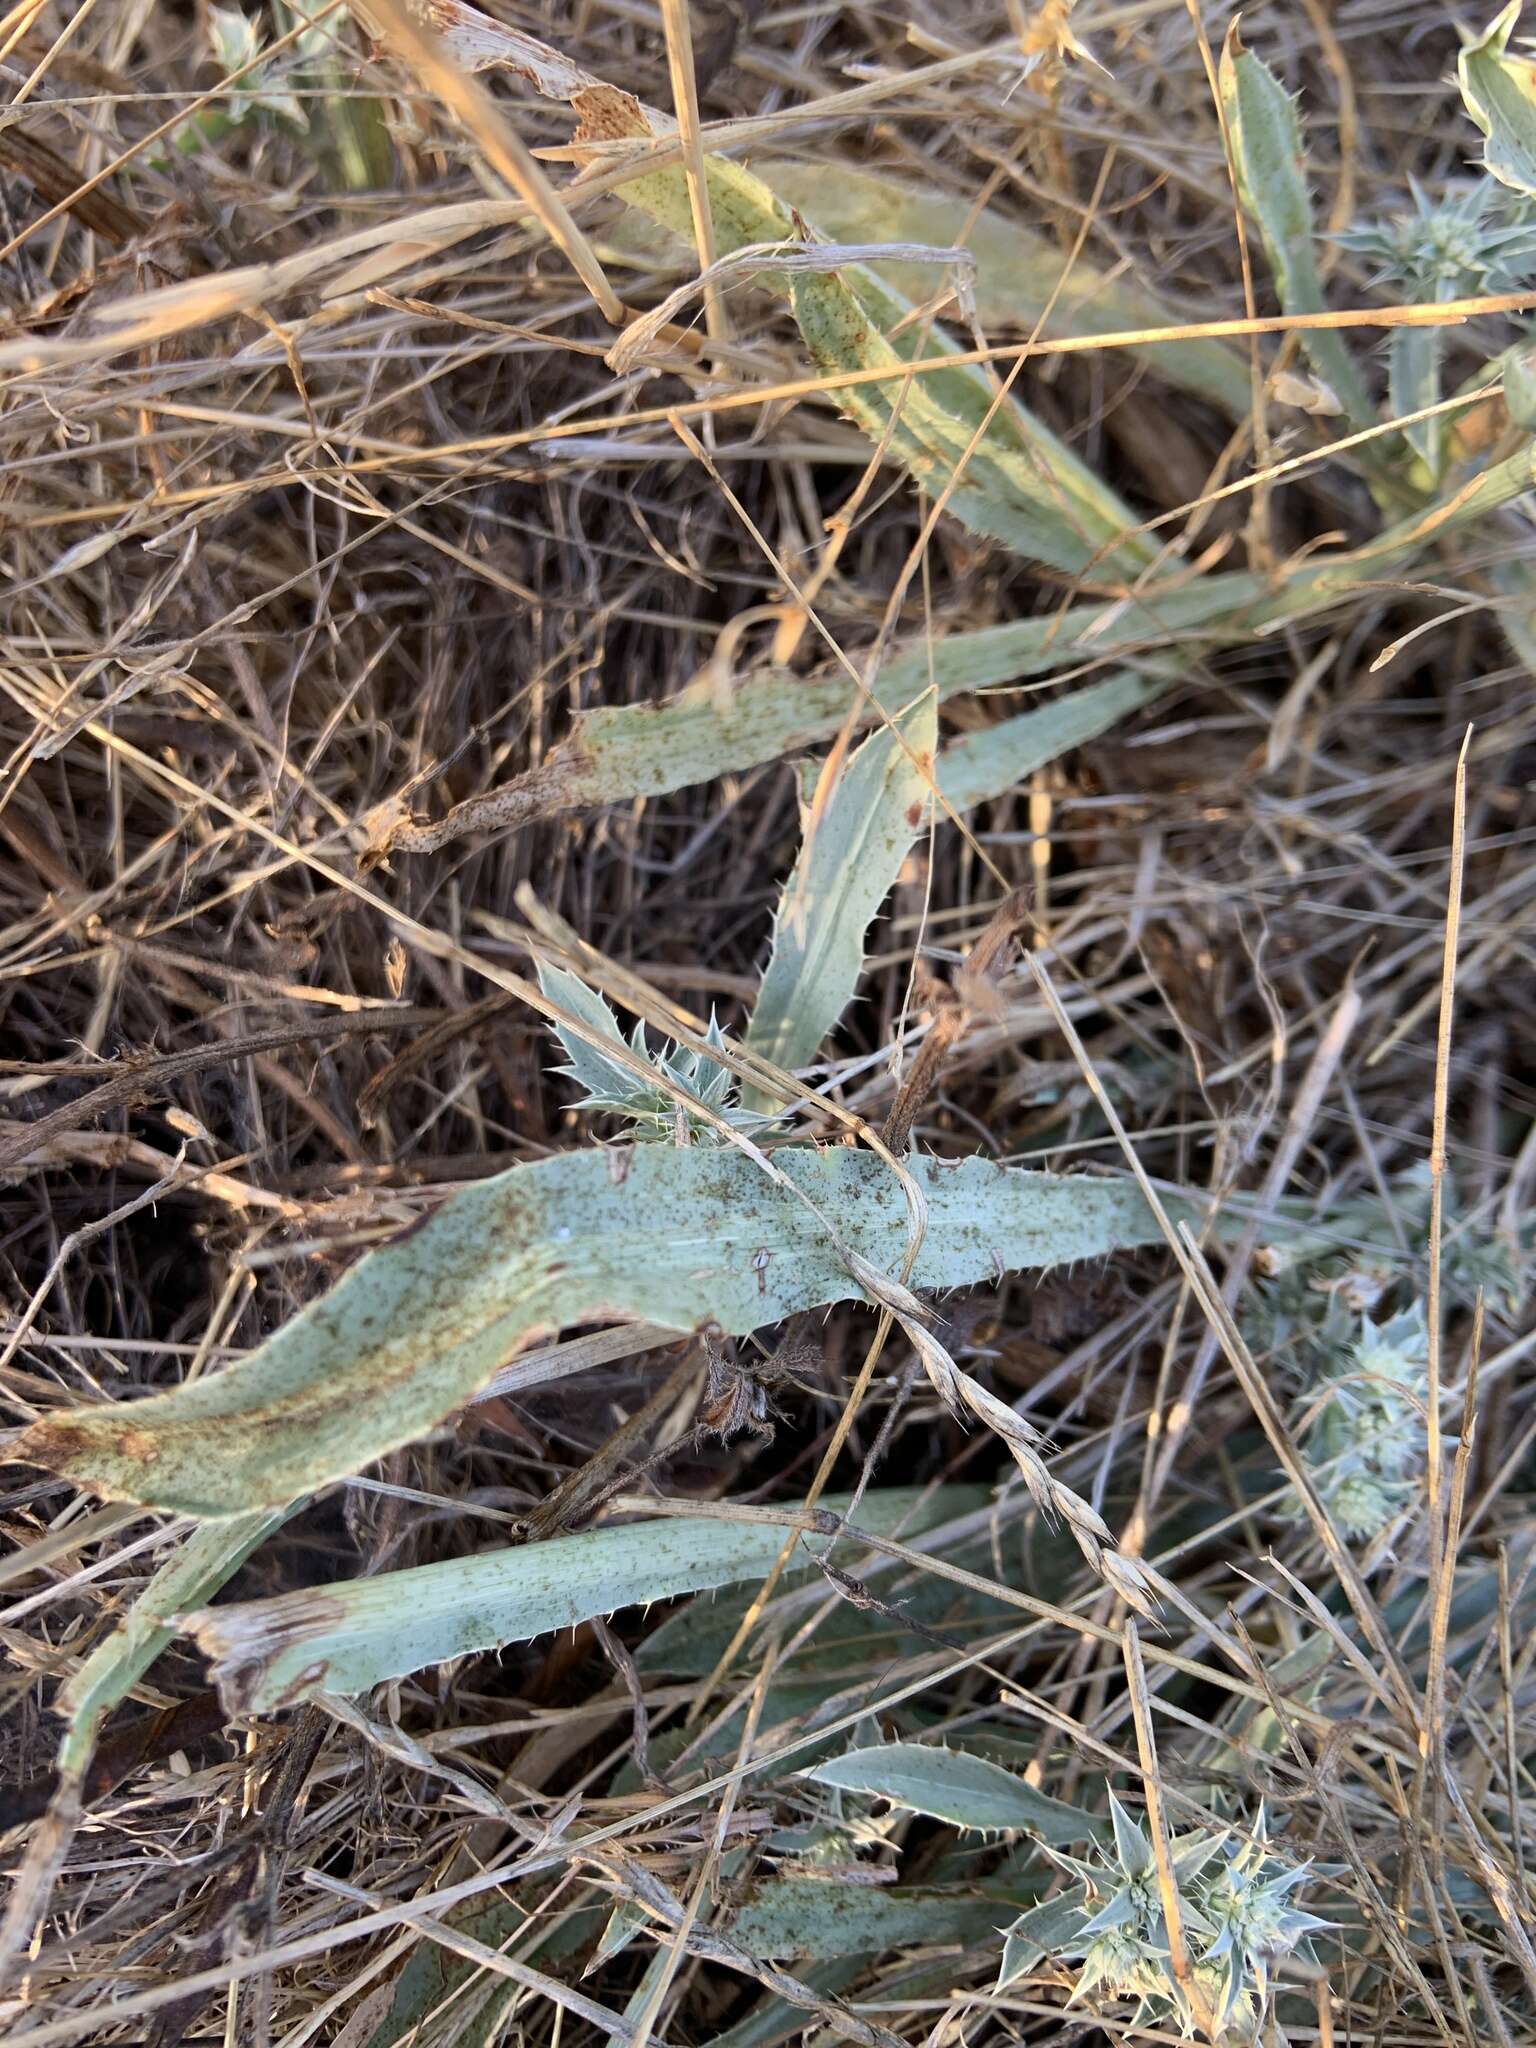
(893, 1601)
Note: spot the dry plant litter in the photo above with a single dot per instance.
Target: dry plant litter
(705, 1339)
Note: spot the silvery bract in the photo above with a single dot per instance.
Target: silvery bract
(1467, 244)
(651, 1111)
(1362, 1425)
(1235, 1909)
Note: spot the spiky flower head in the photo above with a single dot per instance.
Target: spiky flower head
(644, 1101)
(1339, 1310)
(1362, 1425)
(1123, 1937)
(1119, 1964)
(1235, 1906)
(265, 88)
(1248, 1902)
(1468, 242)
(237, 43)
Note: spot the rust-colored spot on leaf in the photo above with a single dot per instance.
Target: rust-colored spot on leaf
(70, 1445)
(54, 1443)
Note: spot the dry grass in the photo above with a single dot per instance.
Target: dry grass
(304, 549)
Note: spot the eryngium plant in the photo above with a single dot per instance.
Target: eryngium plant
(1341, 1314)
(1469, 243)
(649, 1110)
(1362, 1424)
(1235, 1905)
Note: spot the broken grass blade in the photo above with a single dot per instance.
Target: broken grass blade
(678, 1236)
(954, 1786)
(346, 1638)
(853, 851)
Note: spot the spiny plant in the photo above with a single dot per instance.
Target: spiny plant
(1237, 1916)
(1361, 1424)
(704, 1232)
(1472, 239)
(686, 1081)
(264, 87)
(1343, 1315)
(287, 90)
(970, 441)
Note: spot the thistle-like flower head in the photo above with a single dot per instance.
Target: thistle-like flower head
(1462, 244)
(1248, 1902)
(1119, 1964)
(1237, 1911)
(1362, 1422)
(647, 1105)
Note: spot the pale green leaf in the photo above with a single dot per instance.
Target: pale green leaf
(950, 1785)
(812, 1919)
(619, 752)
(1499, 92)
(236, 42)
(203, 1563)
(1017, 482)
(689, 1643)
(1271, 176)
(988, 763)
(1520, 386)
(598, 1076)
(234, 37)
(1413, 382)
(669, 1235)
(345, 1638)
(1020, 281)
(855, 847)
(1042, 1931)
(1021, 485)
(859, 844)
